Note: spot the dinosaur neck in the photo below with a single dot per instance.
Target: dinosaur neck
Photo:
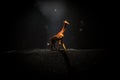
(63, 28)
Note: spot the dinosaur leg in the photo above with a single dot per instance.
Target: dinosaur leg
(52, 44)
(63, 45)
(58, 45)
(51, 47)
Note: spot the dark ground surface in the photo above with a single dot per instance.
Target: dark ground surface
(45, 64)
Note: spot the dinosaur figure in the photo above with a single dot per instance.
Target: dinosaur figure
(57, 40)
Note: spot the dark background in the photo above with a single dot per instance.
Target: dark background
(16, 33)
(20, 31)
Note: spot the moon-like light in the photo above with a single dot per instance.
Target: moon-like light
(55, 10)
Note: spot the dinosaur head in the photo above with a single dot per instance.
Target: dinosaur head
(66, 22)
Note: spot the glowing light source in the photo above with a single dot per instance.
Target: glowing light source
(81, 29)
(55, 10)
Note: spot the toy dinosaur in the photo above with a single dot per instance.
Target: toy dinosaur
(57, 40)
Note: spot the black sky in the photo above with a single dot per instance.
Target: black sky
(16, 35)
